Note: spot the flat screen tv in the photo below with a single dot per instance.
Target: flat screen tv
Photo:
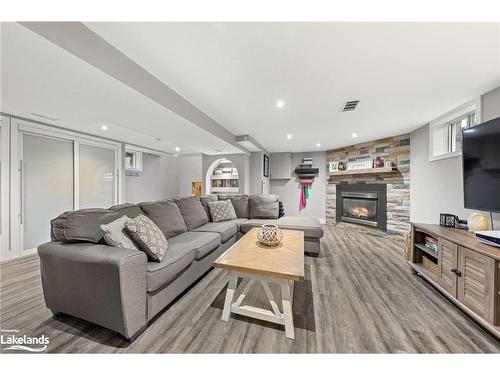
(481, 166)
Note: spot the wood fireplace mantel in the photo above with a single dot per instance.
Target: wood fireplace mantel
(363, 171)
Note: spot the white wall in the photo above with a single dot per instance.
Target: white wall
(289, 190)
(158, 180)
(190, 169)
(258, 183)
(437, 187)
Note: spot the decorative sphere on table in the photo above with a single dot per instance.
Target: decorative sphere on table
(270, 235)
(477, 221)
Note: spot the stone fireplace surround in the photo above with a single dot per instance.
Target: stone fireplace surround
(394, 150)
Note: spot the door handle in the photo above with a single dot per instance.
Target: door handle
(456, 272)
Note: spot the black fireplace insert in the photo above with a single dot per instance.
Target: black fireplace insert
(364, 204)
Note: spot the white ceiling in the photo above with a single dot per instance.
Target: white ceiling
(40, 77)
(403, 74)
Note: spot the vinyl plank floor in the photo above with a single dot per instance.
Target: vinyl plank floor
(358, 296)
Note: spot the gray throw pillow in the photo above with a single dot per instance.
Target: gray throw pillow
(148, 236)
(221, 211)
(115, 234)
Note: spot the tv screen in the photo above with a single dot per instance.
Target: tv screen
(481, 164)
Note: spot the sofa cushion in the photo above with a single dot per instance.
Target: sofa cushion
(192, 211)
(255, 223)
(238, 222)
(309, 225)
(167, 216)
(221, 211)
(148, 237)
(264, 206)
(201, 243)
(178, 257)
(115, 234)
(240, 203)
(204, 202)
(82, 225)
(226, 229)
(128, 209)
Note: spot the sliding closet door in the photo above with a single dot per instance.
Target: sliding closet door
(97, 184)
(47, 185)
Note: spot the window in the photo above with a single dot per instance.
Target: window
(133, 159)
(445, 135)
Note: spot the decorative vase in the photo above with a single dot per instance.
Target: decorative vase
(270, 235)
(477, 221)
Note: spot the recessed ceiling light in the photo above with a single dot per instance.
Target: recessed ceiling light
(280, 103)
(104, 127)
(288, 136)
(177, 149)
(318, 144)
(354, 135)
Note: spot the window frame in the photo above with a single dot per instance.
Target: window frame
(450, 118)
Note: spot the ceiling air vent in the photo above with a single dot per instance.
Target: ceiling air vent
(350, 105)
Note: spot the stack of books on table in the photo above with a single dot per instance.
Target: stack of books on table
(431, 243)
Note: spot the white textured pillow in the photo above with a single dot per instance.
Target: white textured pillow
(115, 234)
(221, 211)
(148, 236)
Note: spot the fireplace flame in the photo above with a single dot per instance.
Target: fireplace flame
(361, 212)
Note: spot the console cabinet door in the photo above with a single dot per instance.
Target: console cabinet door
(476, 282)
(447, 261)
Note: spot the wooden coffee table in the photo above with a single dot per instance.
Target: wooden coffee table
(248, 260)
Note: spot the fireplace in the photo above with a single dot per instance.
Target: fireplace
(364, 204)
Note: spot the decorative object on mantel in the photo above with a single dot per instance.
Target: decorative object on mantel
(477, 222)
(334, 166)
(341, 166)
(379, 163)
(447, 220)
(359, 164)
(306, 174)
(270, 235)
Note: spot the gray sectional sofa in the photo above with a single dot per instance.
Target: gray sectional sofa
(119, 288)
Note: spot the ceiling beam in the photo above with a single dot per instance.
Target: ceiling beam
(82, 42)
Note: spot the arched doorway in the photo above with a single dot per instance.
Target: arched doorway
(222, 177)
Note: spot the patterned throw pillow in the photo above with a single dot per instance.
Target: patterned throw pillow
(148, 236)
(221, 211)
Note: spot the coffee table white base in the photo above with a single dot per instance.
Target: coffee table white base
(275, 316)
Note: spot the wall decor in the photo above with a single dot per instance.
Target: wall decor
(359, 164)
(341, 166)
(196, 188)
(266, 166)
(334, 166)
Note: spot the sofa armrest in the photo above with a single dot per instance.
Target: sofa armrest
(102, 284)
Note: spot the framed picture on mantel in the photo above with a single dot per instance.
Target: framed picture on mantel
(266, 166)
